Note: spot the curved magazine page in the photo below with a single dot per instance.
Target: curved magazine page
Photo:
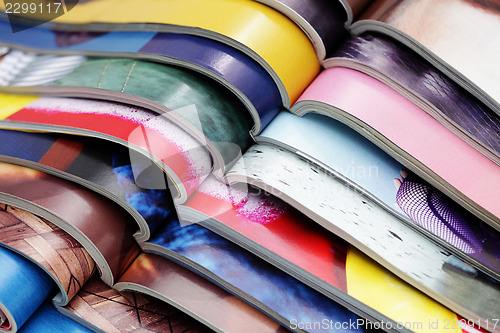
(163, 226)
(62, 257)
(185, 161)
(158, 215)
(23, 288)
(239, 271)
(81, 157)
(273, 39)
(410, 136)
(466, 49)
(207, 110)
(430, 317)
(321, 20)
(122, 179)
(104, 309)
(71, 267)
(405, 71)
(283, 236)
(219, 310)
(102, 166)
(235, 70)
(102, 227)
(355, 217)
(47, 320)
(350, 156)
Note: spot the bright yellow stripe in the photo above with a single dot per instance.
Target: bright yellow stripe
(10, 104)
(381, 290)
(270, 34)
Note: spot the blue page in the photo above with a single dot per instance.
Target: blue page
(48, 320)
(342, 149)
(23, 286)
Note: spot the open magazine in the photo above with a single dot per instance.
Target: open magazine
(375, 95)
(93, 303)
(70, 265)
(304, 269)
(225, 141)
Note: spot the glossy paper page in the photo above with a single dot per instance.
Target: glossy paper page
(460, 32)
(126, 311)
(205, 108)
(183, 158)
(474, 178)
(97, 164)
(406, 71)
(358, 219)
(322, 20)
(344, 151)
(48, 245)
(222, 62)
(23, 288)
(286, 48)
(157, 209)
(196, 295)
(107, 228)
(48, 320)
(272, 288)
(340, 148)
(273, 228)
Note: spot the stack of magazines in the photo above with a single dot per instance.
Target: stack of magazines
(249, 166)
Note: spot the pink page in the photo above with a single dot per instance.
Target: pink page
(413, 130)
